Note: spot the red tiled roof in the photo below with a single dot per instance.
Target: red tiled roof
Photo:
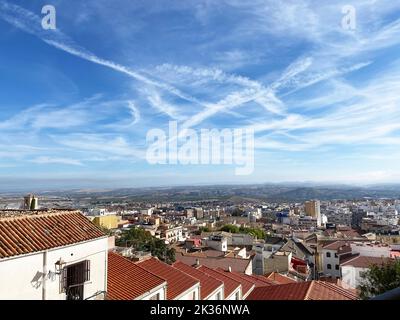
(291, 291)
(321, 290)
(208, 284)
(258, 281)
(308, 290)
(279, 278)
(178, 281)
(230, 285)
(365, 262)
(128, 281)
(247, 285)
(336, 245)
(236, 264)
(36, 232)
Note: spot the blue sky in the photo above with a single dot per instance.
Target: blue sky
(76, 103)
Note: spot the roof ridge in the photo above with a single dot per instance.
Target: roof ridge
(338, 289)
(38, 215)
(308, 292)
(355, 257)
(137, 265)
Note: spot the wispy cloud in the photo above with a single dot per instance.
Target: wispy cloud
(49, 160)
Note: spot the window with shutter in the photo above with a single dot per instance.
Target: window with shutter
(72, 279)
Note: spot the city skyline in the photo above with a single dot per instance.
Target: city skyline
(78, 101)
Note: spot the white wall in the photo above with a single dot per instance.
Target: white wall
(333, 261)
(233, 294)
(351, 275)
(161, 291)
(17, 274)
(214, 295)
(370, 251)
(188, 295)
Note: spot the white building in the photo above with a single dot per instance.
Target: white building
(371, 249)
(331, 255)
(52, 256)
(171, 235)
(352, 270)
(217, 242)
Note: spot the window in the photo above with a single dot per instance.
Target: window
(73, 278)
(329, 266)
(337, 267)
(218, 297)
(237, 296)
(336, 255)
(155, 297)
(328, 254)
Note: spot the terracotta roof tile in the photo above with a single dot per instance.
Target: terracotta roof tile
(236, 264)
(336, 245)
(365, 262)
(308, 290)
(279, 278)
(128, 281)
(208, 284)
(178, 281)
(321, 290)
(24, 234)
(247, 285)
(258, 281)
(230, 285)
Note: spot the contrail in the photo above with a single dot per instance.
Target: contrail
(31, 23)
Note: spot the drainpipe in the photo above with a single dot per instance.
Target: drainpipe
(44, 275)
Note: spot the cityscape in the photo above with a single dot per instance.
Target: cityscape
(218, 151)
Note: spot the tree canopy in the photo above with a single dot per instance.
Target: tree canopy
(142, 240)
(380, 278)
(255, 232)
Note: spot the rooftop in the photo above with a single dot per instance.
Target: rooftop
(236, 264)
(178, 281)
(308, 290)
(365, 262)
(208, 284)
(247, 285)
(230, 285)
(28, 232)
(279, 278)
(128, 281)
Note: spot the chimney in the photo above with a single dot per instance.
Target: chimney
(197, 262)
(229, 269)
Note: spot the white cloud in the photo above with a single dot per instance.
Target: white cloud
(51, 160)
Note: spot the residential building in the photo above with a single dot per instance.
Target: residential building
(210, 287)
(352, 270)
(232, 288)
(331, 255)
(129, 281)
(180, 285)
(106, 221)
(308, 290)
(52, 255)
(313, 209)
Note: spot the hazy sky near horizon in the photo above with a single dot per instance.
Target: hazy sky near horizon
(76, 103)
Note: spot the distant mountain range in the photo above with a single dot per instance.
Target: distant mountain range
(268, 192)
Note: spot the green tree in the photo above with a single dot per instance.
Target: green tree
(142, 240)
(379, 279)
(255, 232)
(237, 212)
(230, 228)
